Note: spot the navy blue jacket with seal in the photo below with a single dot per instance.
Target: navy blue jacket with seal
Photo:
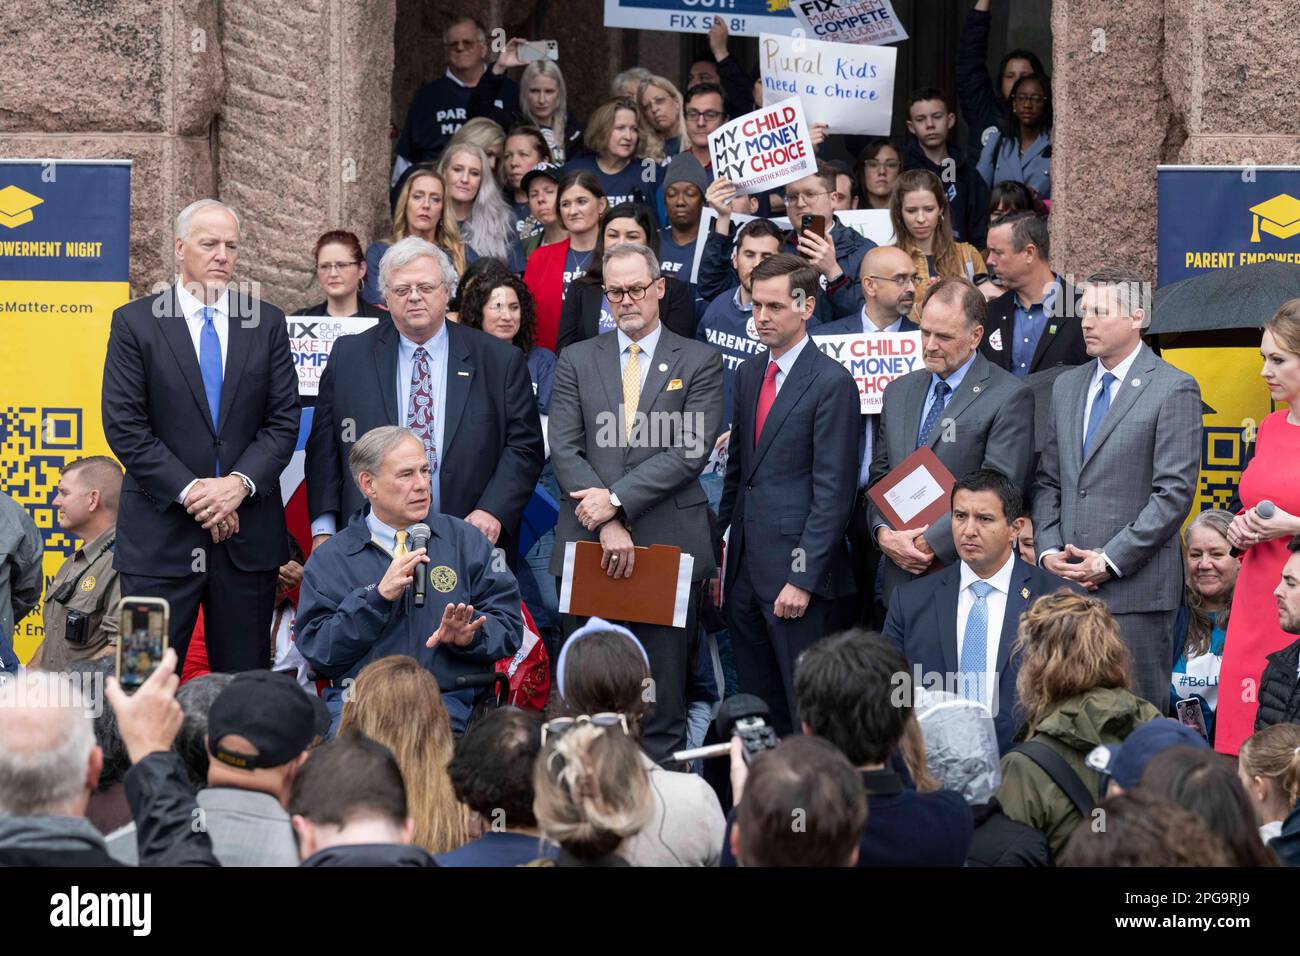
(344, 623)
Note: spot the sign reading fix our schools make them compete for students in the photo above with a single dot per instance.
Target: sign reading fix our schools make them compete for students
(743, 17)
(847, 86)
(64, 247)
(764, 149)
(850, 21)
(873, 360)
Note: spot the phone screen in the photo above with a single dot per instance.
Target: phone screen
(142, 640)
(1189, 713)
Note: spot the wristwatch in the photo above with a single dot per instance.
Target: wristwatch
(248, 482)
(613, 500)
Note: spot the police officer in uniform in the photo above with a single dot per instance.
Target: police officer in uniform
(81, 606)
(357, 600)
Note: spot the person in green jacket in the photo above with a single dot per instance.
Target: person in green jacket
(1073, 686)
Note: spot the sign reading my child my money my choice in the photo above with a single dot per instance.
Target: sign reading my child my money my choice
(746, 18)
(846, 86)
(764, 149)
(64, 244)
(874, 360)
(850, 21)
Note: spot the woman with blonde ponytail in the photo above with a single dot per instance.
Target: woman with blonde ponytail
(1269, 768)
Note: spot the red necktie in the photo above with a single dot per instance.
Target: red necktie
(766, 396)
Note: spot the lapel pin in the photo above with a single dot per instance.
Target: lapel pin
(663, 366)
(466, 374)
(1137, 382)
(975, 390)
(1051, 330)
(1024, 593)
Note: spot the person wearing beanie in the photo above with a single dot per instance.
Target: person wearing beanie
(685, 183)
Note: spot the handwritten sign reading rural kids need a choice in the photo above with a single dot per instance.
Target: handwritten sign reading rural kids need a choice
(764, 149)
(847, 86)
(874, 360)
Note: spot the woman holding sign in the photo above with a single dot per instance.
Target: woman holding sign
(923, 229)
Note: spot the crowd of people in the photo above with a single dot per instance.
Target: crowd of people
(552, 332)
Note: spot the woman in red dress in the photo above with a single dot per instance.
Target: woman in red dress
(1253, 630)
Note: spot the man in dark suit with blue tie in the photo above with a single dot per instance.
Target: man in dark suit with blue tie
(791, 474)
(889, 291)
(466, 394)
(200, 404)
(958, 627)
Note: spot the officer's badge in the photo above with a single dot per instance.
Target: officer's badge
(88, 583)
(442, 578)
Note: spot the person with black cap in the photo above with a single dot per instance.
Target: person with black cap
(259, 731)
(685, 183)
(541, 185)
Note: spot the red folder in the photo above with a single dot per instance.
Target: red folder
(923, 457)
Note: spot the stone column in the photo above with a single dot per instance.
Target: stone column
(303, 140)
(118, 79)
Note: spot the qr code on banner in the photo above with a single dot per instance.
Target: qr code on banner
(1222, 461)
(35, 444)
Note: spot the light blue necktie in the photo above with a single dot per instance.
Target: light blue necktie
(941, 391)
(210, 368)
(1100, 405)
(975, 644)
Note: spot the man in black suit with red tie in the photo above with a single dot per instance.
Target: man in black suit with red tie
(200, 404)
(792, 471)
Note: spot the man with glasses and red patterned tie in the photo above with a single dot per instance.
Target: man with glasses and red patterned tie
(634, 415)
(466, 394)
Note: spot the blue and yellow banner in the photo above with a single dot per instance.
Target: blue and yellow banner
(65, 230)
(1222, 217)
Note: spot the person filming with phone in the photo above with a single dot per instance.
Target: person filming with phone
(827, 245)
(400, 579)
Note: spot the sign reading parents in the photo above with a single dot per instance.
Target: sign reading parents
(848, 87)
(874, 360)
(764, 149)
(850, 21)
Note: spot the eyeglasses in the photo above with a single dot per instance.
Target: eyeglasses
(636, 293)
(1028, 99)
(461, 44)
(694, 116)
(803, 199)
(562, 725)
(425, 289)
(899, 281)
(325, 268)
(890, 164)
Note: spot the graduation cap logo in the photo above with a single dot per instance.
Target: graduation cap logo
(1280, 217)
(16, 206)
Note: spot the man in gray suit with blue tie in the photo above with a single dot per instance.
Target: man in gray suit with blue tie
(634, 415)
(1118, 475)
(971, 413)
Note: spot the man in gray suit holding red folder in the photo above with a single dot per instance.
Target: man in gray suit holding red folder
(634, 415)
(969, 411)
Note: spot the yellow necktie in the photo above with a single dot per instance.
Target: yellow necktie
(631, 388)
(401, 544)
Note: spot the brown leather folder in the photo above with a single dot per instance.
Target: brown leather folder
(656, 593)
